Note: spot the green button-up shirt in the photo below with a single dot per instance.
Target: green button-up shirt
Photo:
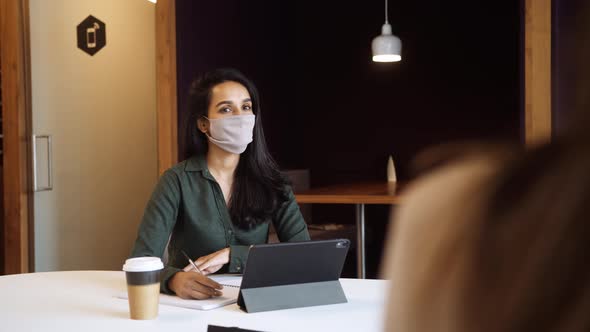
(187, 211)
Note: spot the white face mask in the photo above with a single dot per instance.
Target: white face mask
(232, 133)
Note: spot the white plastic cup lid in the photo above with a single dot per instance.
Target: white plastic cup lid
(143, 264)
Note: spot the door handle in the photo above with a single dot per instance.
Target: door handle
(49, 164)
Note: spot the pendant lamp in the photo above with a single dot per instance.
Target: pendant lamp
(386, 47)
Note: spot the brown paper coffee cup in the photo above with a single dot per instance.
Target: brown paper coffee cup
(143, 286)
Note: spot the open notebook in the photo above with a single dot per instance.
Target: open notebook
(231, 289)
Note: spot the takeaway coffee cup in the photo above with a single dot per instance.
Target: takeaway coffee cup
(143, 286)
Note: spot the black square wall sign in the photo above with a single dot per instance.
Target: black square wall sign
(91, 35)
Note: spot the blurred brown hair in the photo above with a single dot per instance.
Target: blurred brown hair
(527, 266)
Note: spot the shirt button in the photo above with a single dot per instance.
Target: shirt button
(230, 231)
(238, 268)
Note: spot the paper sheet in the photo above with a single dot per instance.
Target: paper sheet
(231, 289)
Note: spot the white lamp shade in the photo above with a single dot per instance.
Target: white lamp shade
(386, 47)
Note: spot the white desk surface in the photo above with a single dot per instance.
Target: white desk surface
(84, 301)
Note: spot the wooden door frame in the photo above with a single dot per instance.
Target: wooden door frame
(537, 68)
(16, 109)
(18, 237)
(167, 108)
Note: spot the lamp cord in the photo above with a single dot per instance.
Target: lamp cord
(386, 12)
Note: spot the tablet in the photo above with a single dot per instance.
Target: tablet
(293, 274)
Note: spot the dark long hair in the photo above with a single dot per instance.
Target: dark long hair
(259, 188)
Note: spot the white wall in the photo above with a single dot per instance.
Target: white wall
(101, 111)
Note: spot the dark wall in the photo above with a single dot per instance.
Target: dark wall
(255, 38)
(571, 66)
(328, 108)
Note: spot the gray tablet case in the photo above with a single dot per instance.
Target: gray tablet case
(292, 275)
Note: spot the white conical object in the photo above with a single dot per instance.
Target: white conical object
(391, 177)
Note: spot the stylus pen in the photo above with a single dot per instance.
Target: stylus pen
(191, 261)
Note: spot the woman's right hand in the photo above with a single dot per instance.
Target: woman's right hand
(192, 285)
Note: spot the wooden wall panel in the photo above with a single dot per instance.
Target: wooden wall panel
(1, 220)
(16, 126)
(166, 84)
(537, 66)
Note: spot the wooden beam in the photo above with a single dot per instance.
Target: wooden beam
(1, 218)
(166, 84)
(16, 125)
(537, 67)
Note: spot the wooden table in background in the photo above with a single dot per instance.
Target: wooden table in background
(358, 194)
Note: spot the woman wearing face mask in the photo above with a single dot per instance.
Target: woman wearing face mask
(223, 196)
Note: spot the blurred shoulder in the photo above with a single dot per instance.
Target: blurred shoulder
(437, 204)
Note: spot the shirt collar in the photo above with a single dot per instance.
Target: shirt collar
(196, 163)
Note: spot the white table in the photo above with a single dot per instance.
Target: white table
(84, 301)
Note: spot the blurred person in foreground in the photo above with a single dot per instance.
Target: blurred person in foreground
(496, 240)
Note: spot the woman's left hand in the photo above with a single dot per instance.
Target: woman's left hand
(213, 262)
